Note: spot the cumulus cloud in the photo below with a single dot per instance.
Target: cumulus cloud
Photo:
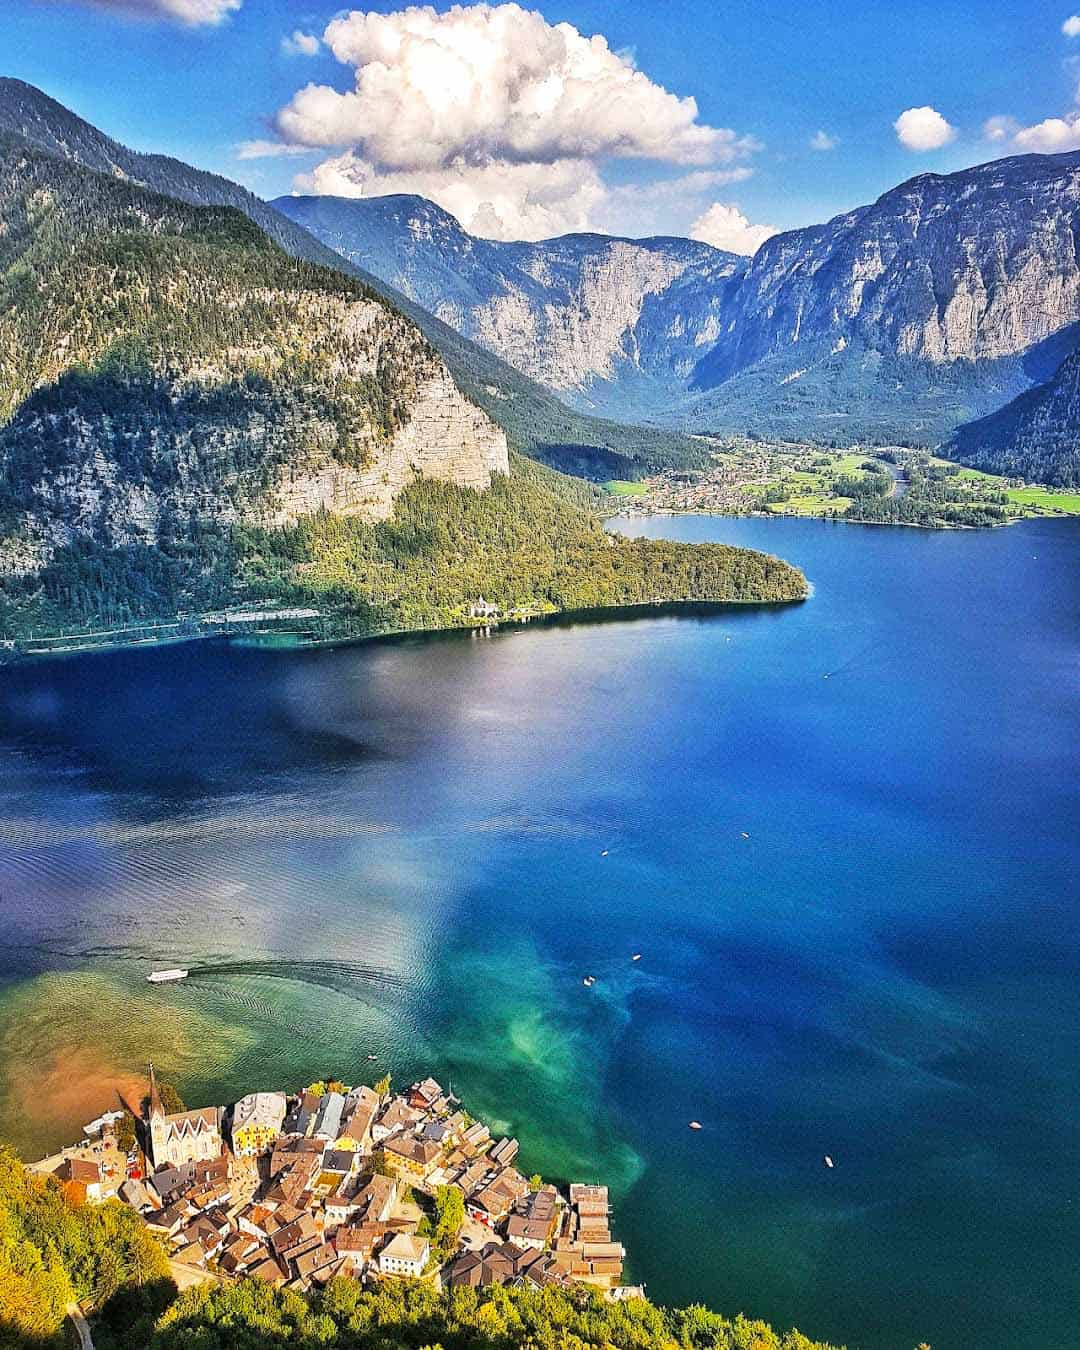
(299, 43)
(724, 226)
(500, 116)
(190, 12)
(1071, 26)
(821, 140)
(923, 129)
(493, 82)
(1051, 136)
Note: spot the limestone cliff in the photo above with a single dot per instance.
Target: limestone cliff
(940, 301)
(165, 368)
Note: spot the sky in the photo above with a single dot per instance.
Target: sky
(723, 120)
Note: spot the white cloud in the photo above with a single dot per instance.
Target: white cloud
(497, 200)
(504, 200)
(724, 226)
(190, 12)
(494, 82)
(1071, 26)
(999, 129)
(664, 206)
(299, 43)
(923, 129)
(504, 119)
(1050, 137)
(268, 150)
(821, 140)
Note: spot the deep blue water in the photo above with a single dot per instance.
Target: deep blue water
(397, 849)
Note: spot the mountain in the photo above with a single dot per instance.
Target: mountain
(898, 321)
(535, 422)
(942, 300)
(191, 418)
(1036, 436)
(584, 313)
(162, 365)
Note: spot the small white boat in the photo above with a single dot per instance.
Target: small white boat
(695, 1124)
(373, 1056)
(166, 976)
(589, 981)
(744, 834)
(604, 852)
(636, 956)
(828, 1161)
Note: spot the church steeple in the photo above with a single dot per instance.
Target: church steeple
(156, 1111)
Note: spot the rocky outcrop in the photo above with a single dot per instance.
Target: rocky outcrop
(446, 437)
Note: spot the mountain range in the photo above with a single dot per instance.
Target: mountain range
(896, 322)
(535, 421)
(196, 412)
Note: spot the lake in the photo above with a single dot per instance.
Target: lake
(843, 835)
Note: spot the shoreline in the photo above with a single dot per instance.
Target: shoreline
(596, 614)
(831, 520)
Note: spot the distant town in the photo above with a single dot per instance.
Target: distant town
(342, 1181)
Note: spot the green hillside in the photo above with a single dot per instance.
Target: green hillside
(54, 1252)
(167, 370)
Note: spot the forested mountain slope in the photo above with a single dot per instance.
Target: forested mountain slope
(534, 421)
(192, 418)
(162, 365)
(1036, 436)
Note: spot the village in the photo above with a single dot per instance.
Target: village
(344, 1181)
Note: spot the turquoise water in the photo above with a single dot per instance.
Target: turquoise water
(397, 849)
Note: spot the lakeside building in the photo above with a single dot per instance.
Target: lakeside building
(324, 1184)
(183, 1136)
(256, 1122)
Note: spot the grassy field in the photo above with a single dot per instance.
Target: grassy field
(1045, 499)
(796, 479)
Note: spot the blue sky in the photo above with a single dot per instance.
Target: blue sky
(772, 74)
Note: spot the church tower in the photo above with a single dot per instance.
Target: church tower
(156, 1122)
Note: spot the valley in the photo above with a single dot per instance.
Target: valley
(906, 321)
(883, 485)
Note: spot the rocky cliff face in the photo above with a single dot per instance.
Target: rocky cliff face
(164, 368)
(576, 313)
(972, 266)
(445, 437)
(939, 302)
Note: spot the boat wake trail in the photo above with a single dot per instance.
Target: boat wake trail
(347, 977)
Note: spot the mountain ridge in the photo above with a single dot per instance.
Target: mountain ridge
(572, 312)
(896, 321)
(535, 422)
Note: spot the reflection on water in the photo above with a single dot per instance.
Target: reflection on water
(842, 837)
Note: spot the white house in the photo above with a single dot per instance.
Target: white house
(404, 1254)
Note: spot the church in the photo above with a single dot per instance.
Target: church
(185, 1136)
